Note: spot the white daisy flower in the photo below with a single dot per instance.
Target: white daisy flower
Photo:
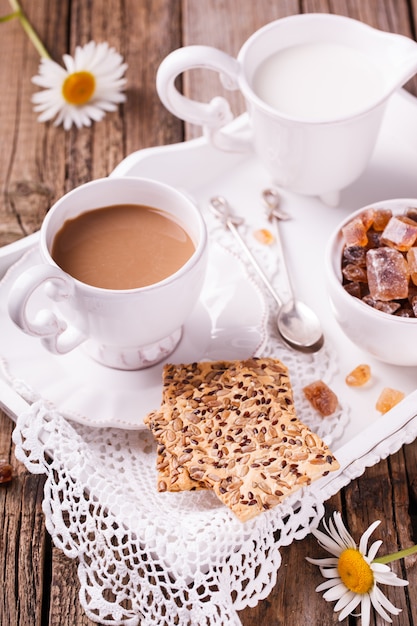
(90, 85)
(352, 573)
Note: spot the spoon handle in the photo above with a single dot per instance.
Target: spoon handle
(222, 210)
(283, 256)
(276, 215)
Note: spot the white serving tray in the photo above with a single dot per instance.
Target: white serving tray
(202, 171)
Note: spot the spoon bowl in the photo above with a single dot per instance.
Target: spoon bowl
(299, 327)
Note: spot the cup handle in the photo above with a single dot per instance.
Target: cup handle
(54, 332)
(212, 116)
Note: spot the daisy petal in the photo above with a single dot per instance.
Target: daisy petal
(363, 544)
(344, 600)
(329, 572)
(326, 561)
(342, 531)
(335, 593)
(47, 113)
(379, 600)
(351, 606)
(332, 582)
(372, 552)
(327, 543)
(365, 610)
(389, 578)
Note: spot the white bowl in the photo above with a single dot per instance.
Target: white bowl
(386, 337)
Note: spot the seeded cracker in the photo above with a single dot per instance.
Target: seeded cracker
(231, 426)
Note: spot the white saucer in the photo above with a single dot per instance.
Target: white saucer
(229, 322)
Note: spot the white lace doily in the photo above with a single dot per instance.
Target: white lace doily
(146, 557)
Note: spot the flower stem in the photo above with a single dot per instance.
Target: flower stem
(7, 18)
(28, 28)
(395, 556)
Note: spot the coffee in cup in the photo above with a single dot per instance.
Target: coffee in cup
(123, 264)
(122, 246)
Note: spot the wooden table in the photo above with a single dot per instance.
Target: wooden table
(39, 162)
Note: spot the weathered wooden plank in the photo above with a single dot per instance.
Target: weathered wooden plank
(23, 540)
(64, 606)
(25, 194)
(143, 33)
(406, 519)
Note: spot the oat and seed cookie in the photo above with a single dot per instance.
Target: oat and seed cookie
(231, 426)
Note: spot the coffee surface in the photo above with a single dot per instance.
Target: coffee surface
(122, 246)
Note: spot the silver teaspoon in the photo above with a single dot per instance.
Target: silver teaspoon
(296, 323)
(301, 324)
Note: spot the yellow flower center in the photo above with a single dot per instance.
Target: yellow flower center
(78, 88)
(355, 572)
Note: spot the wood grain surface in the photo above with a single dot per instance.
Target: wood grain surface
(40, 162)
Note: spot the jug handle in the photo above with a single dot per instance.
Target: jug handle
(212, 116)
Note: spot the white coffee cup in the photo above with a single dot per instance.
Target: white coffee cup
(317, 155)
(126, 329)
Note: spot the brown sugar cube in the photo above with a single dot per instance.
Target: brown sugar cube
(374, 239)
(355, 255)
(359, 376)
(388, 274)
(353, 289)
(400, 233)
(381, 219)
(413, 303)
(412, 292)
(368, 218)
(355, 273)
(406, 311)
(264, 236)
(388, 398)
(389, 306)
(412, 264)
(411, 212)
(321, 397)
(355, 232)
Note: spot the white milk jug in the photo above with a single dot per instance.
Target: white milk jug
(316, 87)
